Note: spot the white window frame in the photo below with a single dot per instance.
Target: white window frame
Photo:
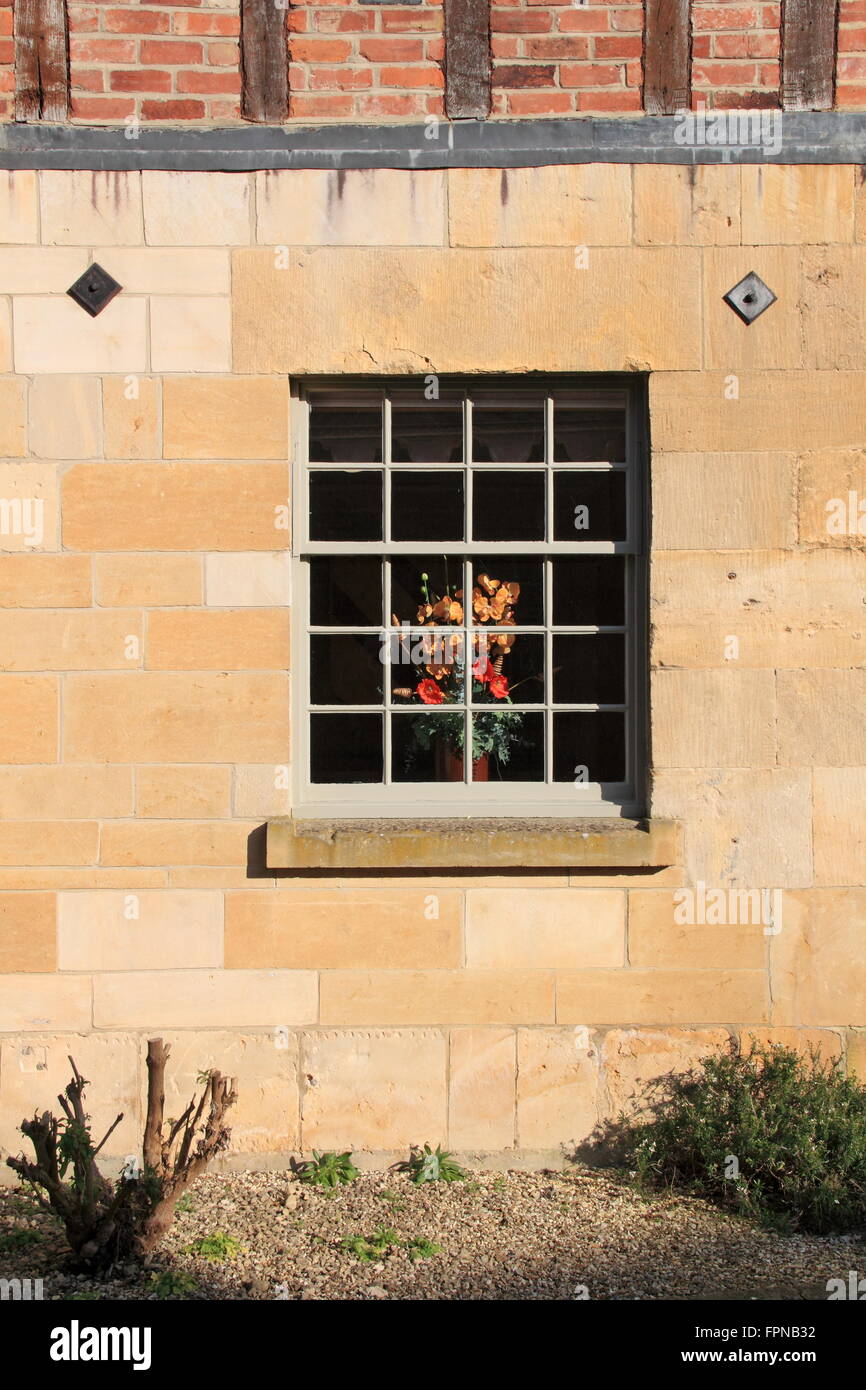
(413, 801)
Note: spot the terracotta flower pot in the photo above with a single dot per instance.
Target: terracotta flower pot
(449, 765)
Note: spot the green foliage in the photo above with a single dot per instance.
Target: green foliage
(496, 734)
(215, 1248)
(328, 1169)
(74, 1147)
(173, 1283)
(391, 1199)
(185, 1203)
(373, 1247)
(421, 1249)
(16, 1240)
(85, 1297)
(771, 1135)
(432, 1165)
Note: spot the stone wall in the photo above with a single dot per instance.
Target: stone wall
(144, 700)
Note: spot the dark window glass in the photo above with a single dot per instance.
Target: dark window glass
(589, 669)
(427, 747)
(507, 506)
(491, 572)
(345, 434)
(589, 507)
(410, 590)
(345, 669)
(588, 436)
(428, 434)
(346, 506)
(508, 436)
(346, 748)
(426, 506)
(512, 672)
(588, 747)
(345, 591)
(509, 746)
(589, 591)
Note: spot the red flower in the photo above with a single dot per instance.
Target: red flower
(430, 692)
(482, 670)
(499, 687)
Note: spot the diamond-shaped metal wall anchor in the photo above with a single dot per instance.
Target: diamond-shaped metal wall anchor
(94, 289)
(750, 297)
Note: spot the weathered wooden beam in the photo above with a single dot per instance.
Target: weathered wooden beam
(467, 58)
(41, 60)
(667, 66)
(809, 37)
(264, 61)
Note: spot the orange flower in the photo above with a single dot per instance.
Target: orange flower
(429, 692)
(499, 687)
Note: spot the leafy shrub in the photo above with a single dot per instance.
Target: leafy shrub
(373, 1247)
(19, 1239)
(432, 1165)
(770, 1134)
(328, 1169)
(215, 1248)
(421, 1249)
(173, 1283)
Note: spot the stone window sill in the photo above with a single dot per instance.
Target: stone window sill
(473, 844)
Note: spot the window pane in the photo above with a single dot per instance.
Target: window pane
(508, 506)
(427, 747)
(525, 583)
(346, 506)
(508, 747)
(345, 670)
(411, 591)
(589, 507)
(345, 434)
(514, 672)
(588, 747)
(345, 591)
(588, 436)
(426, 666)
(589, 669)
(346, 748)
(427, 434)
(507, 436)
(426, 506)
(589, 591)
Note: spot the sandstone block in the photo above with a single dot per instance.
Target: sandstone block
(544, 928)
(481, 1095)
(144, 930)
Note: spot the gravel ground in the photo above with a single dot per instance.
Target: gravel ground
(508, 1236)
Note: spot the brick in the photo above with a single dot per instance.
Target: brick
(548, 929)
(172, 506)
(633, 1060)
(151, 581)
(27, 932)
(52, 334)
(657, 940)
(384, 997)
(221, 81)
(13, 426)
(661, 996)
(55, 842)
(340, 79)
(615, 99)
(308, 50)
(816, 966)
(90, 209)
(204, 998)
(371, 207)
(144, 80)
(556, 205)
(36, 1069)
(377, 1090)
(589, 74)
(523, 75)
(28, 719)
(179, 640)
(251, 580)
(424, 75)
(195, 209)
(391, 50)
(169, 51)
(557, 1088)
(151, 717)
(40, 270)
(176, 110)
(65, 793)
(723, 501)
(226, 417)
(139, 931)
(798, 203)
(100, 51)
(65, 417)
(130, 21)
(186, 791)
(63, 1003)
(131, 417)
(323, 291)
(349, 930)
(481, 1095)
(68, 639)
(714, 719)
(102, 108)
(190, 334)
(45, 581)
(695, 205)
(820, 718)
(19, 207)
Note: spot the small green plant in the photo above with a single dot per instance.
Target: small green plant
(373, 1247)
(769, 1134)
(173, 1283)
(391, 1199)
(432, 1165)
(328, 1170)
(422, 1249)
(14, 1241)
(84, 1297)
(215, 1248)
(498, 1184)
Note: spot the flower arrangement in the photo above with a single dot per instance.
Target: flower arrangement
(443, 679)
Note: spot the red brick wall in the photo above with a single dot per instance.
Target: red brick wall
(735, 53)
(851, 64)
(555, 58)
(173, 62)
(7, 70)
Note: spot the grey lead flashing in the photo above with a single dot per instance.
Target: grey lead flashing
(756, 137)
